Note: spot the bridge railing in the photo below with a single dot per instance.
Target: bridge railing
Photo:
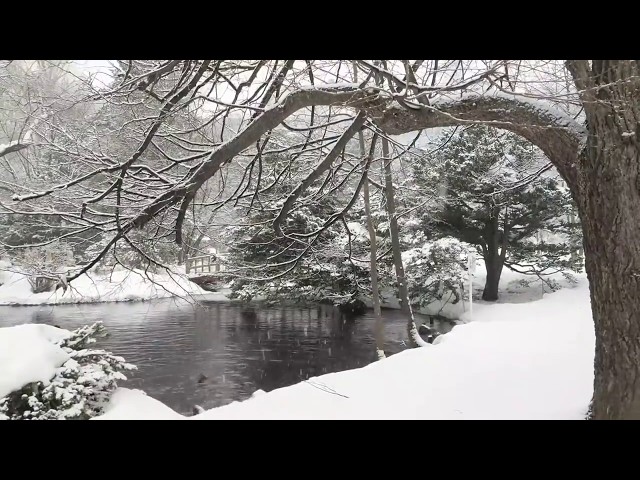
(202, 264)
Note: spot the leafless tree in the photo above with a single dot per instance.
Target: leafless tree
(150, 185)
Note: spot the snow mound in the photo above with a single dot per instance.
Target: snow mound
(28, 354)
(128, 404)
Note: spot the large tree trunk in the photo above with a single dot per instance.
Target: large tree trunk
(494, 269)
(610, 207)
(609, 204)
(493, 258)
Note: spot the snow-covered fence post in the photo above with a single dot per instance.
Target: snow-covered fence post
(471, 258)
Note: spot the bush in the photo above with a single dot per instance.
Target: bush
(80, 388)
(41, 263)
(435, 271)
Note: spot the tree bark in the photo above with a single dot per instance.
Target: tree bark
(611, 226)
(373, 258)
(373, 252)
(373, 247)
(12, 147)
(493, 257)
(609, 206)
(405, 306)
(494, 270)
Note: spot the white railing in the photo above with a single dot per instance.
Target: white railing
(203, 264)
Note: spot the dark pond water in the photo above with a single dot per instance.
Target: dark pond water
(240, 350)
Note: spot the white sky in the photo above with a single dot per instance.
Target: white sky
(98, 67)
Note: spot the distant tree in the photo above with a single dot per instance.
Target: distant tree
(496, 197)
(39, 262)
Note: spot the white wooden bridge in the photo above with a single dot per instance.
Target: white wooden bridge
(202, 271)
(203, 264)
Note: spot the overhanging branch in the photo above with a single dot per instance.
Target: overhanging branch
(12, 147)
(355, 126)
(347, 95)
(560, 137)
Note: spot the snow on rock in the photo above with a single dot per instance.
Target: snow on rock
(118, 286)
(28, 354)
(514, 361)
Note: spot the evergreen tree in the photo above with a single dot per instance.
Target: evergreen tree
(261, 264)
(80, 388)
(497, 194)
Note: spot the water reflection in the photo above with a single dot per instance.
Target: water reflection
(238, 350)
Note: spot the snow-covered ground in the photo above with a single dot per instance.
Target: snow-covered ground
(118, 286)
(513, 361)
(122, 285)
(514, 288)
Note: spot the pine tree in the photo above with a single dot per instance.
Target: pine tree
(261, 264)
(80, 388)
(497, 194)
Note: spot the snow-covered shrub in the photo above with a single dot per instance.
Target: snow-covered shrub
(299, 266)
(435, 270)
(80, 388)
(570, 278)
(40, 263)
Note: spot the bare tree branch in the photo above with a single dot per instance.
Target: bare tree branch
(12, 147)
(355, 127)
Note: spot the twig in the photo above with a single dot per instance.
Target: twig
(325, 388)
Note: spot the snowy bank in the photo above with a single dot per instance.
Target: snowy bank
(117, 286)
(514, 288)
(513, 361)
(127, 404)
(28, 354)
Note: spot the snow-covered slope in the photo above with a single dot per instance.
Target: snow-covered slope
(119, 286)
(514, 361)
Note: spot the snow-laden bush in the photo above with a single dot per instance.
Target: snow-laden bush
(80, 388)
(435, 271)
(40, 263)
(299, 266)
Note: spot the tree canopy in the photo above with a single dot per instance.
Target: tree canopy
(583, 115)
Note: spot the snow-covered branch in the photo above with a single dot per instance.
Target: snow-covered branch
(11, 147)
(560, 137)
